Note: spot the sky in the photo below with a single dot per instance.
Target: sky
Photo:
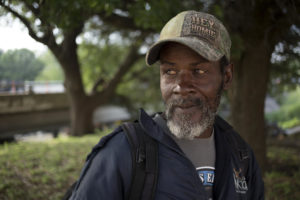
(14, 35)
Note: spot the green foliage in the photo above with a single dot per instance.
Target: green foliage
(290, 123)
(141, 87)
(45, 169)
(100, 62)
(285, 74)
(154, 14)
(288, 115)
(19, 65)
(282, 179)
(52, 70)
(61, 14)
(282, 186)
(68, 14)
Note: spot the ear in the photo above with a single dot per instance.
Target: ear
(228, 76)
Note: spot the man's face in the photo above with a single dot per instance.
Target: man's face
(191, 87)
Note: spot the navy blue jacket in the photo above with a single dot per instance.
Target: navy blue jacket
(107, 172)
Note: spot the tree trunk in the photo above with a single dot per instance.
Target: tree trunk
(250, 85)
(81, 111)
(81, 116)
(82, 105)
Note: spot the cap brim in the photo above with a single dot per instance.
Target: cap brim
(202, 48)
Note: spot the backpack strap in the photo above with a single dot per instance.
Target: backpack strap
(144, 151)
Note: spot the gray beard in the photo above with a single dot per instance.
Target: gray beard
(183, 127)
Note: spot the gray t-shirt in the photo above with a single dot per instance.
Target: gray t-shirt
(201, 152)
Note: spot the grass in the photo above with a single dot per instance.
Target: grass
(45, 170)
(42, 170)
(282, 181)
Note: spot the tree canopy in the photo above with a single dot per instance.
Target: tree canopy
(19, 65)
(52, 69)
(288, 115)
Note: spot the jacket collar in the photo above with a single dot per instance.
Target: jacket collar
(156, 132)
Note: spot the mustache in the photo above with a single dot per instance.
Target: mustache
(184, 102)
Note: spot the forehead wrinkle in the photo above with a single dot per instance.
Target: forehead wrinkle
(197, 63)
(166, 62)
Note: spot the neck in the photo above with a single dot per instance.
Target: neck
(206, 134)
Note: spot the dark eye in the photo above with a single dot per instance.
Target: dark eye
(200, 71)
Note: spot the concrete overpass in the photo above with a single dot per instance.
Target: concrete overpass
(23, 113)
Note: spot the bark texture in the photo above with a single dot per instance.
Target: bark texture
(248, 96)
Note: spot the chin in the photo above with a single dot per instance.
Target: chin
(189, 122)
(186, 132)
(194, 116)
(189, 126)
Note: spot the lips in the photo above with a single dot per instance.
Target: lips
(183, 106)
(186, 106)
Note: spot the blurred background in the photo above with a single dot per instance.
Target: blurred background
(71, 71)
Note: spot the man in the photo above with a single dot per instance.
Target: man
(197, 157)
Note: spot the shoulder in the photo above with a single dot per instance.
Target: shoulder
(241, 149)
(112, 155)
(234, 138)
(107, 167)
(113, 145)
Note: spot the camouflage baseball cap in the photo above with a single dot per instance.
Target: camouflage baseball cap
(200, 31)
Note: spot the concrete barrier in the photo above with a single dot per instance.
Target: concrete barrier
(25, 113)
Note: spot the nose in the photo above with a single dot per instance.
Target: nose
(184, 84)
